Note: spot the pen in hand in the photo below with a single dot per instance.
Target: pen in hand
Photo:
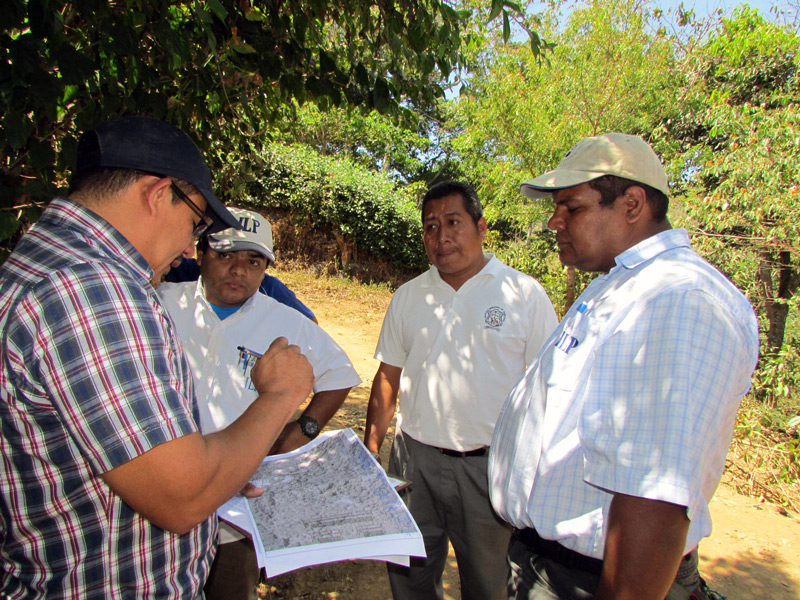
(244, 350)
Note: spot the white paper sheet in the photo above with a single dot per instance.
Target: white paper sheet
(329, 500)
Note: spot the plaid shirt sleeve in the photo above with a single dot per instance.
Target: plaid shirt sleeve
(96, 348)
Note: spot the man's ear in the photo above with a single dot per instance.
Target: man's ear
(636, 205)
(199, 257)
(482, 228)
(156, 193)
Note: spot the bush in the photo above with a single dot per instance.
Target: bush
(332, 199)
(764, 459)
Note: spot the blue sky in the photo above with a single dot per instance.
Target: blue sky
(704, 7)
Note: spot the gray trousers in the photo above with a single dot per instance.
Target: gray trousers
(449, 500)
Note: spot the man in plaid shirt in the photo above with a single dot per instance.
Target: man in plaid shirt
(108, 489)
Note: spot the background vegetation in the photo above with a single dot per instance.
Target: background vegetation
(333, 117)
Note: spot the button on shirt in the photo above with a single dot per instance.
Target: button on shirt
(222, 374)
(91, 378)
(462, 351)
(636, 392)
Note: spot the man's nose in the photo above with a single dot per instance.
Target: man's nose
(237, 267)
(556, 222)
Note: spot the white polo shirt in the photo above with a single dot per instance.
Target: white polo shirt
(636, 392)
(462, 351)
(221, 375)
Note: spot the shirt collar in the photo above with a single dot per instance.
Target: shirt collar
(68, 214)
(490, 269)
(653, 246)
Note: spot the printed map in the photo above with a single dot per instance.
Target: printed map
(331, 497)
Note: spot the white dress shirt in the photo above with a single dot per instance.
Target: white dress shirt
(636, 392)
(221, 374)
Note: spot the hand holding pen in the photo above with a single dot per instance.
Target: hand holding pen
(245, 350)
(282, 370)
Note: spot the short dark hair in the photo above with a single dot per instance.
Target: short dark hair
(107, 181)
(612, 187)
(203, 245)
(103, 181)
(448, 188)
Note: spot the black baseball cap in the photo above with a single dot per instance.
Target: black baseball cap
(149, 145)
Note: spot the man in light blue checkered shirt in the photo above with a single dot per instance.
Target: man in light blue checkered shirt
(608, 451)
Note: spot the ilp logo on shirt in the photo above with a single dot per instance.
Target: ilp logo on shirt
(567, 342)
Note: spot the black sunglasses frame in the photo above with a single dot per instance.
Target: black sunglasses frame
(205, 220)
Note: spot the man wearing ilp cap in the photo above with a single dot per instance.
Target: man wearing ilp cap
(220, 318)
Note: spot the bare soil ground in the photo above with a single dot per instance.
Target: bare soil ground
(753, 553)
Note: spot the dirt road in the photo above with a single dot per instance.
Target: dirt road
(753, 553)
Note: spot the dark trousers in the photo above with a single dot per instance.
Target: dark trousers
(449, 500)
(234, 573)
(536, 577)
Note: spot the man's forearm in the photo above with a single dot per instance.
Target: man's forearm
(644, 544)
(179, 483)
(321, 408)
(324, 405)
(382, 404)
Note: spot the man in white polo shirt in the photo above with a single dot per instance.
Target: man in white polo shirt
(454, 341)
(220, 319)
(608, 451)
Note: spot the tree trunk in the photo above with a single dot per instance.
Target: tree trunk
(570, 295)
(776, 304)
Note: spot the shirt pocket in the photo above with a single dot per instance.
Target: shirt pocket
(571, 351)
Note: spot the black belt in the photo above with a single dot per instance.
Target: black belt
(459, 454)
(558, 553)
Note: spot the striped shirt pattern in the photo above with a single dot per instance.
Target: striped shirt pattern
(92, 377)
(636, 392)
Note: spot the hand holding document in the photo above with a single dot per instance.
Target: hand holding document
(327, 501)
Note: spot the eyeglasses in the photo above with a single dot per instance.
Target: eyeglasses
(205, 220)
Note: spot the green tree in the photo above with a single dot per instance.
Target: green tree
(376, 142)
(739, 149)
(611, 70)
(221, 69)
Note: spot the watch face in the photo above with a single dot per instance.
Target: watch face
(309, 426)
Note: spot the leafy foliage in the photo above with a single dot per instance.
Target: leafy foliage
(371, 140)
(220, 69)
(741, 157)
(517, 117)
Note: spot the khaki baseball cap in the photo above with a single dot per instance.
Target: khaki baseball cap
(254, 233)
(617, 154)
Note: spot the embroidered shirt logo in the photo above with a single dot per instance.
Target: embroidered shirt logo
(494, 317)
(566, 342)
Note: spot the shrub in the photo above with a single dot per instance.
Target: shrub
(330, 198)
